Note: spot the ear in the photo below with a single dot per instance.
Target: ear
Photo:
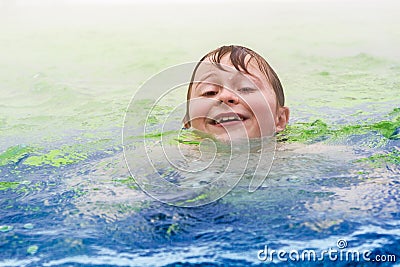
(186, 121)
(282, 118)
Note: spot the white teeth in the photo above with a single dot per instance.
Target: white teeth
(231, 118)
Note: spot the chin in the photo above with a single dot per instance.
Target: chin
(231, 137)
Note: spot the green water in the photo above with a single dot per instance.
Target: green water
(76, 68)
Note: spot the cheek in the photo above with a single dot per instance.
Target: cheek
(199, 107)
(263, 112)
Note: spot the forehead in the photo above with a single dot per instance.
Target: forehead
(226, 71)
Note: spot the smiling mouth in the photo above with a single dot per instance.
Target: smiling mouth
(227, 119)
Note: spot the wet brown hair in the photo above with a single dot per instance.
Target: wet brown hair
(237, 56)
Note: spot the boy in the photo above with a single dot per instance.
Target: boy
(235, 94)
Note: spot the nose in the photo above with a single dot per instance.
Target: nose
(227, 96)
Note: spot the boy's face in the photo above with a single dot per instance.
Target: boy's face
(230, 104)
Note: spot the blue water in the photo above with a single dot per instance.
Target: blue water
(296, 208)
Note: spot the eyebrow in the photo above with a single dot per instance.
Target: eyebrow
(257, 83)
(242, 72)
(203, 78)
(208, 76)
(258, 80)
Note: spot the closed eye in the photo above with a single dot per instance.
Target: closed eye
(209, 93)
(247, 90)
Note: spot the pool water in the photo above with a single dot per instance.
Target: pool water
(69, 71)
